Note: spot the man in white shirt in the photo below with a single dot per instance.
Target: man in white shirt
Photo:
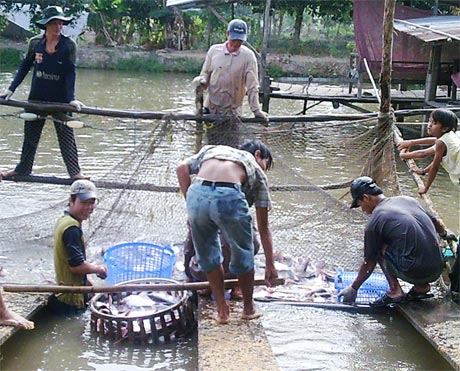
(229, 73)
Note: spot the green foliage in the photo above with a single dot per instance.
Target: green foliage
(312, 47)
(139, 64)
(155, 65)
(9, 58)
(74, 7)
(274, 70)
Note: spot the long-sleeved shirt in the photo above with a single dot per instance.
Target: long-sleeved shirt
(230, 76)
(53, 77)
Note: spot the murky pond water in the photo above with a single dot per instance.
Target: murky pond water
(302, 338)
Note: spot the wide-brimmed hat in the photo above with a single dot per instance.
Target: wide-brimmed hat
(363, 186)
(50, 13)
(83, 189)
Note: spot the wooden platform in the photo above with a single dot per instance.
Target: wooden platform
(25, 304)
(238, 345)
(438, 320)
(340, 94)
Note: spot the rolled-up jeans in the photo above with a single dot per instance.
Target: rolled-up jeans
(213, 208)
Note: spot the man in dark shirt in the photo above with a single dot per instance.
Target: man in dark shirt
(52, 56)
(402, 237)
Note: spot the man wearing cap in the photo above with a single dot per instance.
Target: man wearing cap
(52, 56)
(70, 262)
(229, 73)
(402, 237)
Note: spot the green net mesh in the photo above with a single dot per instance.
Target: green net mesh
(145, 205)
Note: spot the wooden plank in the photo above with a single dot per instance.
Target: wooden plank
(438, 320)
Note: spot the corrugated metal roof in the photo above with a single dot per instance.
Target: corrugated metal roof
(431, 29)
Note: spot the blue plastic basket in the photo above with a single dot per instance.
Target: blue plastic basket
(373, 288)
(136, 260)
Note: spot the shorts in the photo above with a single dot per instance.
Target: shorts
(213, 208)
(392, 268)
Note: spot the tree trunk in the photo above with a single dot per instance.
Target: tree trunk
(280, 24)
(298, 24)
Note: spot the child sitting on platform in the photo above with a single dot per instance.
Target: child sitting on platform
(445, 148)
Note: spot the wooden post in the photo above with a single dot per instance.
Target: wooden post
(431, 82)
(387, 56)
(456, 69)
(264, 78)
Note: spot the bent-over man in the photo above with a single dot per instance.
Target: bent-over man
(227, 182)
(402, 237)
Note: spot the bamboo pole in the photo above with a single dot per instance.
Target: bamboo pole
(179, 286)
(63, 107)
(411, 165)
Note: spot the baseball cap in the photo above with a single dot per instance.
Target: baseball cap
(84, 189)
(237, 29)
(363, 186)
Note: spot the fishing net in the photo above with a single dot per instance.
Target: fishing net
(314, 164)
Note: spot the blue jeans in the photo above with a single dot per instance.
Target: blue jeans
(211, 209)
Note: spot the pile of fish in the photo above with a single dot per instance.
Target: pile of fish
(305, 281)
(134, 305)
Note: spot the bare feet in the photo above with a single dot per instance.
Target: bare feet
(250, 313)
(8, 173)
(9, 318)
(251, 316)
(220, 320)
(223, 315)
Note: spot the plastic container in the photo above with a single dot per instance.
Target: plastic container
(373, 288)
(136, 260)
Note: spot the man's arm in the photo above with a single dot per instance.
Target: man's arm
(89, 268)
(183, 176)
(75, 254)
(350, 292)
(365, 270)
(267, 243)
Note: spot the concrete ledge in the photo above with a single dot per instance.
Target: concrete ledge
(238, 345)
(438, 320)
(25, 304)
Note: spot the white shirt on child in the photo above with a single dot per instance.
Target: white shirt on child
(451, 161)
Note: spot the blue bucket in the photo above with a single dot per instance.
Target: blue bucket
(136, 260)
(373, 288)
